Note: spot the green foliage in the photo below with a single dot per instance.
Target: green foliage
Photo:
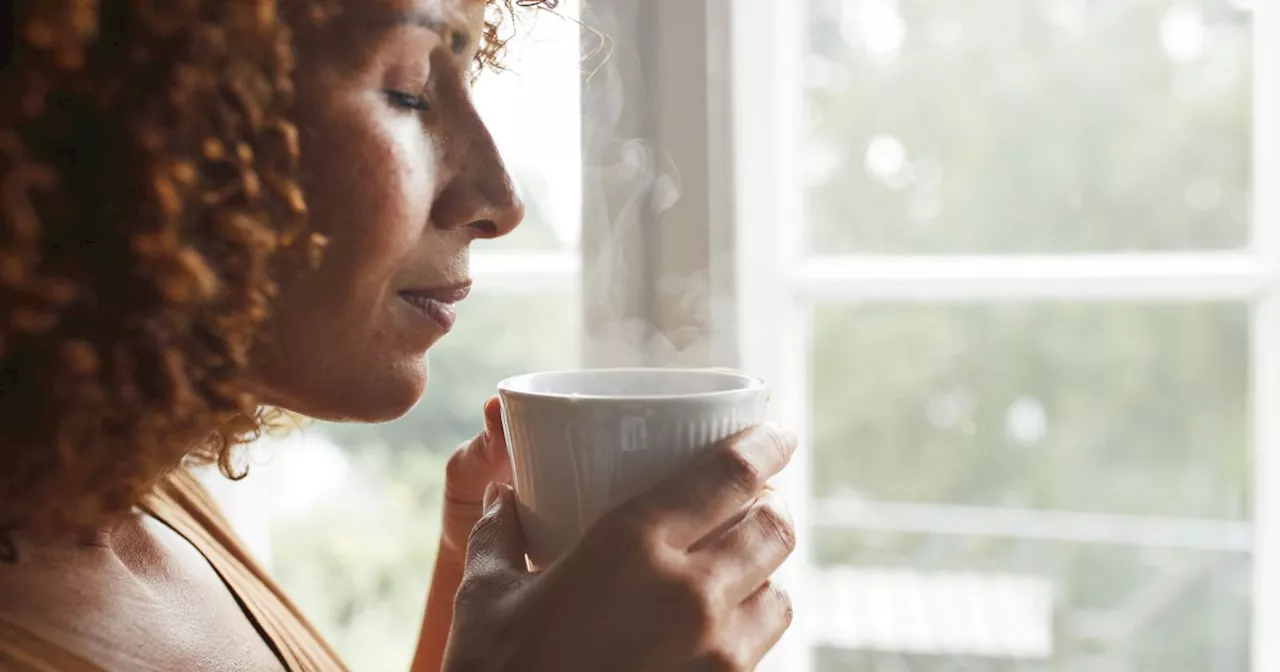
(1135, 409)
(1030, 126)
(359, 564)
(1046, 126)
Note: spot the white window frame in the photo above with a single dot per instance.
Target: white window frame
(1266, 339)
(715, 88)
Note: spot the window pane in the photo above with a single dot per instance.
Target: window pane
(1027, 125)
(348, 515)
(978, 605)
(533, 110)
(1112, 408)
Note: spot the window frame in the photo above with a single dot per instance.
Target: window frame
(778, 283)
(1265, 411)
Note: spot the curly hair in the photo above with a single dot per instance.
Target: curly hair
(149, 201)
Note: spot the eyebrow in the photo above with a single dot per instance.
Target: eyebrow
(458, 40)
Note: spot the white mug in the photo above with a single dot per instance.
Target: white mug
(583, 442)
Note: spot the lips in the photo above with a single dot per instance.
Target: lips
(438, 305)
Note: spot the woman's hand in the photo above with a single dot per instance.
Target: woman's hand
(473, 466)
(675, 580)
(470, 470)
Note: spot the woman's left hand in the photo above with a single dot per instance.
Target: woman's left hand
(471, 469)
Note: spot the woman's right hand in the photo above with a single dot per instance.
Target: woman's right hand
(674, 580)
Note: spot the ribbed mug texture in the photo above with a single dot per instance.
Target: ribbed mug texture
(577, 454)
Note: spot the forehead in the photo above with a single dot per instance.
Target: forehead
(459, 13)
(459, 23)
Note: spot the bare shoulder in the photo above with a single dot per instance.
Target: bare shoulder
(143, 599)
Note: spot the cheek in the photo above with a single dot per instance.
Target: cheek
(404, 181)
(373, 183)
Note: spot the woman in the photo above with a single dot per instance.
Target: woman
(213, 207)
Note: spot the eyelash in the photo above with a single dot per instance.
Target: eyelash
(407, 101)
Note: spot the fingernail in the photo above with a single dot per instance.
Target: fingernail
(490, 496)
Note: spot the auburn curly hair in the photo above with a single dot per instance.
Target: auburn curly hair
(149, 200)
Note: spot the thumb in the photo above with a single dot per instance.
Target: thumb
(497, 544)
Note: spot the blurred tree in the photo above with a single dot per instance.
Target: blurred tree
(1028, 125)
(1037, 126)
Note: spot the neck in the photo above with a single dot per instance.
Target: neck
(17, 546)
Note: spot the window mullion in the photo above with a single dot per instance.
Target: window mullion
(773, 324)
(1195, 276)
(1266, 340)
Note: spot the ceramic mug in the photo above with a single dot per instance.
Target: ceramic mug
(583, 442)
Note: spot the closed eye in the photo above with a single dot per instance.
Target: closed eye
(407, 101)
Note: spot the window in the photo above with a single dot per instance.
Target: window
(1002, 262)
(1013, 280)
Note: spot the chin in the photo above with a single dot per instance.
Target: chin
(388, 405)
(355, 398)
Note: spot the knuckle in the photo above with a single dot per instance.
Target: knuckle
(779, 445)
(740, 471)
(780, 600)
(777, 528)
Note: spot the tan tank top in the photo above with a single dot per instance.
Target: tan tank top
(184, 505)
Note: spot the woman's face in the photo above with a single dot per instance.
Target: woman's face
(401, 176)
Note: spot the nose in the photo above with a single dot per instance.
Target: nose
(479, 195)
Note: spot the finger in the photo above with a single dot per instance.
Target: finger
(701, 497)
(744, 557)
(731, 522)
(481, 461)
(757, 625)
(497, 546)
(751, 631)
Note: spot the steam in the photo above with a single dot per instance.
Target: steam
(636, 313)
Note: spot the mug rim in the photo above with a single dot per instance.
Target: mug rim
(749, 384)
